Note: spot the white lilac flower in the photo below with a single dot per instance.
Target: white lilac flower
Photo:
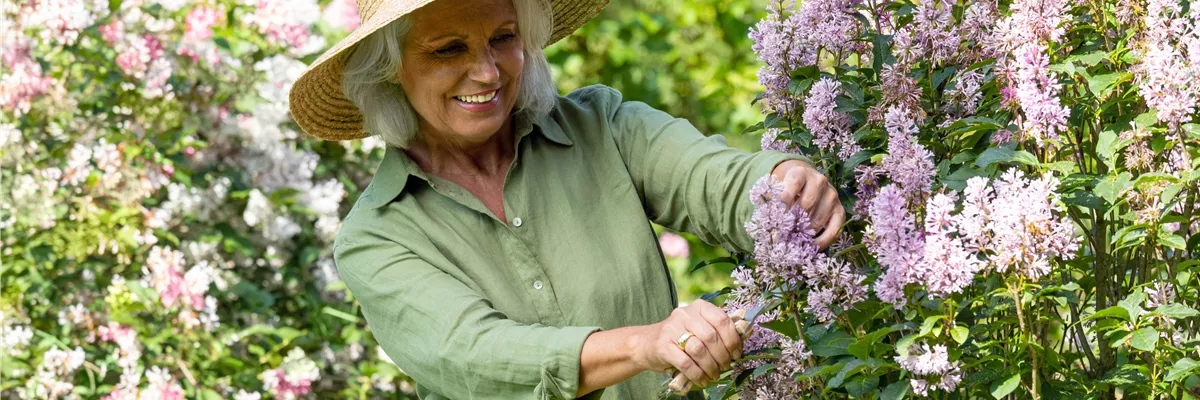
(933, 367)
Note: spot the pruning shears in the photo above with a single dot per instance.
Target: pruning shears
(744, 321)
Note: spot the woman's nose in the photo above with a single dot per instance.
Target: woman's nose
(484, 68)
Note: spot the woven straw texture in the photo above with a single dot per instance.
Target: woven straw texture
(316, 100)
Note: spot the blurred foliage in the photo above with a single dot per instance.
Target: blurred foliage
(691, 59)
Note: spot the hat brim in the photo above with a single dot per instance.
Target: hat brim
(320, 107)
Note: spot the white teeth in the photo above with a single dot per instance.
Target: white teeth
(477, 99)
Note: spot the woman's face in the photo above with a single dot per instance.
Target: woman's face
(462, 68)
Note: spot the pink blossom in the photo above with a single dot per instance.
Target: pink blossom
(783, 238)
(908, 163)
(895, 241)
(947, 266)
(293, 378)
(199, 23)
(771, 141)
(112, 32)
(342, 14)
(22, 81)
(831, 129)
(673, 245)
(137, 54)
(933, 367)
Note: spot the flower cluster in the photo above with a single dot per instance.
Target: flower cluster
(832, 130)
(783, 236)
(933, 368)
(1018, 222)
(293, 378)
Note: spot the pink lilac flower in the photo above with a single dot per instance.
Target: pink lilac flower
(783, 237)
(293, 378)
(164, 272)
(931, 36)
(1024, 226)
(776, 42)
(965, 96)
(1043, 115)
(1167, 83)
(1160, 294)
(162, 386)
(286, 23)
(895, 241)
(1023, 38)
(831, 129)
(908, 163)
(829, 25)
(197, 43)
(22, 81)
(779, 385)
(834, 286)
(673, 245)
(978, 22)
(898, 89)
(771, 141)
(138, 52)
(947, 265)
(112, 32)
(932, 366)
(342, 14)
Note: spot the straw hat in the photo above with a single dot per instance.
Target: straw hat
(316, 100)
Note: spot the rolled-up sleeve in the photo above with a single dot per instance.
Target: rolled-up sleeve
(687, 181)
(446, 335)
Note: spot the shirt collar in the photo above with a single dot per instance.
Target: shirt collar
(394, 171)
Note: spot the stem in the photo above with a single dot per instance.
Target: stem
(1016, 293)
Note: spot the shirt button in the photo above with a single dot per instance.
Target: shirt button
(537, 285)
(517, 222)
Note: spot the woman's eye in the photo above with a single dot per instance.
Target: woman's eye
(505, 38)
(450, 50)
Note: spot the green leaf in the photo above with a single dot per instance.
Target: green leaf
(896, 391)
(862, 348)
(1006, 156)
(705, 263)
(832, 344)
(927, 326)
(1144, 339)
(852, 367)
(1181, 369)
(340, 314)
(1171, 240)
(1106, 148)
(1111, 187)
(1001, 388)
(1101, 85)
(861, 385)
(1133, 303)
(1176, 310)
(1091, 59)
(784, 327)
(1111, 312)
(960, 333)
(1147, 119)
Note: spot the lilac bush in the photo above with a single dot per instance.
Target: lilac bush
(1022, 183)
(166, 227)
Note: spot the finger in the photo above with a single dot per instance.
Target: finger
(825, 210)
(685, 364)
(833, 228)
(792, 184)
(701, 354)
(729, 339)
(815, 186)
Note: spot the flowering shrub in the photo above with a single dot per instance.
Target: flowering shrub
(1022, 180)
(166, 228)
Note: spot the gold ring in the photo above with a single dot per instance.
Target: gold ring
(682, 342)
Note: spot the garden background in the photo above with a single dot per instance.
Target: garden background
(166, 228)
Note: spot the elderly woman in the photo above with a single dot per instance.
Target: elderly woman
(503, 248)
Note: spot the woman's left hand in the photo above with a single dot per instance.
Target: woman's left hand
(811, 189)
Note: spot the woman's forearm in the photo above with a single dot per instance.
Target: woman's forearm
(610, 357)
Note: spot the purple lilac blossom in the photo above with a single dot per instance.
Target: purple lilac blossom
(908, 163)
(933, 367)
(833, 286)
(1023, 224)
(776, 42)
(895, 241)
(1167, 73)
(931, 36)
(771, 141)
(947, 266)
(868, 185)
(1023, 37)
(831, 129)
(783, 237)
(898, 89)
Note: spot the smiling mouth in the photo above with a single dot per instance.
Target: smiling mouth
(477, 99)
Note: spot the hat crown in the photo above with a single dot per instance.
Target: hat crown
(368, 8)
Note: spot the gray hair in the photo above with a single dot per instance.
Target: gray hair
(373, 62)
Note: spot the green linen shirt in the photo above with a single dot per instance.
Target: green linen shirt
(474, 307)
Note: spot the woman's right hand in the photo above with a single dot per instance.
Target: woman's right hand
(710, 351)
